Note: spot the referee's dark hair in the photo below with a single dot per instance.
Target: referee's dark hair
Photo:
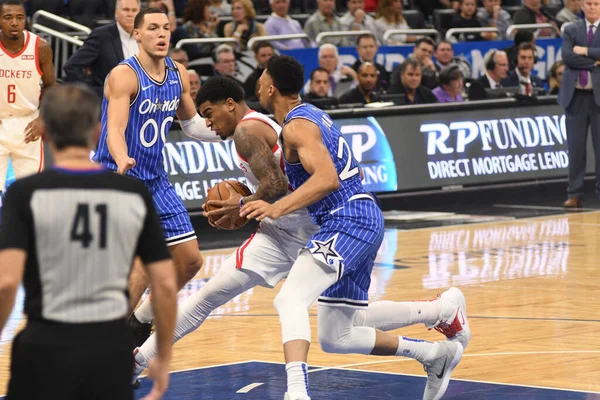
(71, 115)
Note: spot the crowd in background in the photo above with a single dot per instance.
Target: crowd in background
(431, 74)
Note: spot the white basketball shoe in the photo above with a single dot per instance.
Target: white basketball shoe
(440, 369)
(453, 321)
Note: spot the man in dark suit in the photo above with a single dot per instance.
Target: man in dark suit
(496, 68)
(422, 52)
(522, 75)
(511, 52)
(367, 81)
(366, 47)
(318, 94)
(410, 85)
(105, 48)
(533, 12)
(580, 96)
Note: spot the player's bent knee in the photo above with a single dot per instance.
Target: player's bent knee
(189, 266)
(194, 265)
(332, 343)
(281, 302)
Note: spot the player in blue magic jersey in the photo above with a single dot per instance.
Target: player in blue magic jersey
(142, 96)
(335, 266)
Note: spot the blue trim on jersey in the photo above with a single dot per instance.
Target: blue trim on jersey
(151, 114)
(341, 155)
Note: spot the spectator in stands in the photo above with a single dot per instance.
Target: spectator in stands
(496, 69)
(556, 75)
(198, 23)
(324, 20)
(319, 88)
(180, 55)
(422, 52)
(341, 78)
(389, 16)
(366, 47)
(533, 12)
(466, 17)
(262, 52)
(410, 85)
(511, 52)
(444, 56)
(244, 25)
(451, 85)
(224, 61)
(522, 75)
(571, 12)
(364, 92)
(168, 8)
(219, 7)
(280, 23)
(105, 48)
(492, 15)
(356, 19)
(194, 83)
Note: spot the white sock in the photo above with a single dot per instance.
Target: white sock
(389, 315)
(421, 350)
(297, 378)
(192, 312)
(144, 312)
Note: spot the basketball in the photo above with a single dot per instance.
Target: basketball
(222, 191)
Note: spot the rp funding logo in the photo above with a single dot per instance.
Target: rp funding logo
(371, 149)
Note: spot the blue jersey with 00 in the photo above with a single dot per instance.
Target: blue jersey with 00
(151, 113)
(341, 154)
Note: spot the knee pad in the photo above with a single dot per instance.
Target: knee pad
(339, 334)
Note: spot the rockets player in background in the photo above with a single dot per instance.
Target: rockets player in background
(141, 97)
(267, 256)
(335, 266)
(25, 69)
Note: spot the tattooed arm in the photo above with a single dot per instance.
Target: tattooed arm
(272, 181)
(255, 149)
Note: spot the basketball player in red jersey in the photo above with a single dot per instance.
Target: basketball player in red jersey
(25, 69)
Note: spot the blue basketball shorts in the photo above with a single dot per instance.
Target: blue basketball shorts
(348, 241)
(174, 217)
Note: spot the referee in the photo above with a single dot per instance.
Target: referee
(71, 233)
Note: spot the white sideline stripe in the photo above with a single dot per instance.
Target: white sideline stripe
(248, 388)
(529, 207)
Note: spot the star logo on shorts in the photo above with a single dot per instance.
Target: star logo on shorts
(325, 251)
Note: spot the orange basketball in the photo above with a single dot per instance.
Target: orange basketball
(222, 191)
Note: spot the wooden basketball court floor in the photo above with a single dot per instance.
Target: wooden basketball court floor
(532, 288)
